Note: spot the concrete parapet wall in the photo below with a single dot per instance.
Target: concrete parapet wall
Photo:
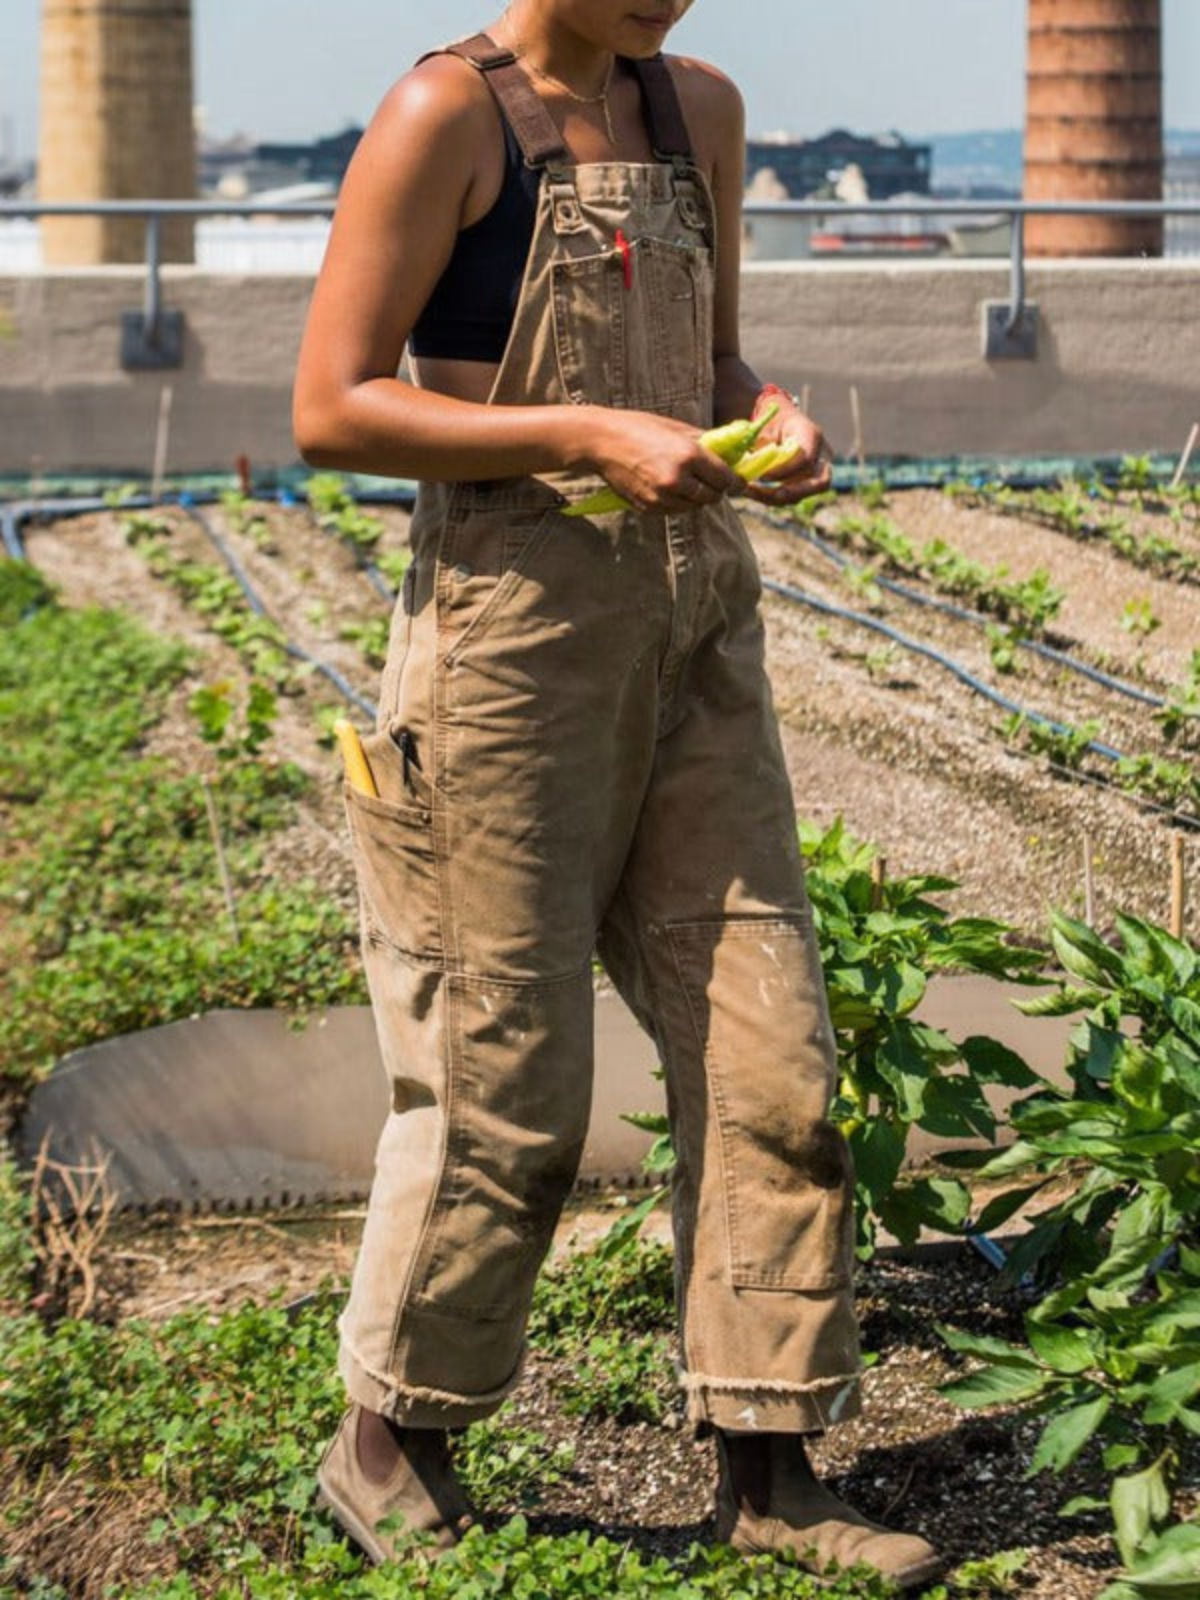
(1118, 364)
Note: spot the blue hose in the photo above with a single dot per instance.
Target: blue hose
(10, 533)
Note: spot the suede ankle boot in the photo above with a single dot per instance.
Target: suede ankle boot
(419, 1494)
(769, 1498)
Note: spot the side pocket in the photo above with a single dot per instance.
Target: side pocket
(396, 868)
(756, 995)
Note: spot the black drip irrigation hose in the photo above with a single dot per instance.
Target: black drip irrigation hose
(12, 516)
(254, 600)
(404, 498)
(965, 614)
(963, 674)
(800, 597)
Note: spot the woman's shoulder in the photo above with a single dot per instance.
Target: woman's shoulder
(704, 90)
(714, 112)
(441, 95)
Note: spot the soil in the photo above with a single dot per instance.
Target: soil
(913, 762)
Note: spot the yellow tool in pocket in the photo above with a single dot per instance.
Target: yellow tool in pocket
(354, 757)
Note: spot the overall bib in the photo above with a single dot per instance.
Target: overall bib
(576, 751)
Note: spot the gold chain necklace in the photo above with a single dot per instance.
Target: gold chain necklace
(600, 99)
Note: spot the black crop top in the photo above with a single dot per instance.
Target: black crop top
(470, 313)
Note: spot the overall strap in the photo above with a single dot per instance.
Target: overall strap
(664, 115)
(540, 141)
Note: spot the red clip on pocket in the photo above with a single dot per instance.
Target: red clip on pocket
(623, 246)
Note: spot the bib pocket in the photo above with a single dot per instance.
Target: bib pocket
(647, 346)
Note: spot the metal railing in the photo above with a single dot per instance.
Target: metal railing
(154, 212)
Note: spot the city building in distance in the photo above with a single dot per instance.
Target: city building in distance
(889, 164)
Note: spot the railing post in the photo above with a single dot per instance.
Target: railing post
(1010, 329)
(1016, 273)
(152, 339)
(153, 300)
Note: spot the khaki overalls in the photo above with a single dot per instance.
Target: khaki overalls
(576, 751)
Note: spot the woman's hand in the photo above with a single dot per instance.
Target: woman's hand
(657, 463)
(810, 470)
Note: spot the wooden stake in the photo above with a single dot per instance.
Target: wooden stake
(1186, 456)
(223, 866)
(860, 449)
(878, 878)
(1175, 925)
(805, 397)
(162, 437)
(1089, 883)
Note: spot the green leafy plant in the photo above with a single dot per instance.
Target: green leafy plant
(1137, 617)
(1136, 474)
(213, 706)
(990, 1576)
(590, 1291)
(1172, 783)
(394, 565)
(217, 596)
(1002, 647)
(1064, 746)
(628, 1377)
(23, 590)
(109, 896)
(16, 1248)
(246, 517)
(370, 636)
(862, 584)
(872, 493)
(880, 943)
(335, 509)
(1113, 1348)
(1182, 711)
(503, 1463)
(1028, 603)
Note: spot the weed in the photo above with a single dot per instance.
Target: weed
(503, 1464)
(628, 1377)
(592, 1291)
(23, 590)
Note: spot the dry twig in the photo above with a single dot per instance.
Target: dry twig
(72, 1209)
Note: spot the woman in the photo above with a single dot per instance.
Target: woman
(576, 750)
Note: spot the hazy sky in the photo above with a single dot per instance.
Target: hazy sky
(295, 68)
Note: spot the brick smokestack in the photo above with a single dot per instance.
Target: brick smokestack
(116, 123)
(1093, 122)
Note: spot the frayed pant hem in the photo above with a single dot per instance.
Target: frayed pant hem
(748, 1405)
(416, 1405)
